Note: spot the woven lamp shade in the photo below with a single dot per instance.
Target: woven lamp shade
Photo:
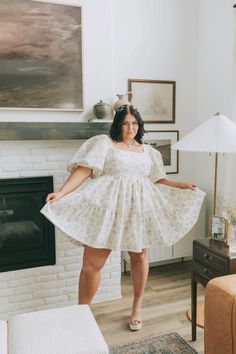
(217, 134)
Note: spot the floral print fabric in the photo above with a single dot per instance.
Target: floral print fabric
(121, 207)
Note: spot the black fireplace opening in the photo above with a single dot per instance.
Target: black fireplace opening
(27, 238)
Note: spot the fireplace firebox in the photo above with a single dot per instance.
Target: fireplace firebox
(27, 238)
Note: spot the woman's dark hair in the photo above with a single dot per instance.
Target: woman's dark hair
(116, 127)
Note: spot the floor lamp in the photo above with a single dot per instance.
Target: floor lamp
(216, 135)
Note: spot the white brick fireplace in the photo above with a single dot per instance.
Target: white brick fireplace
(49, 286)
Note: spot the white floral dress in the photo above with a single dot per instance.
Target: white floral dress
(121, 207)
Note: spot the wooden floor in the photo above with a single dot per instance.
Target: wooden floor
(166, 300)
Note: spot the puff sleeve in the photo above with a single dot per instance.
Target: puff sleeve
(92, 154)
(157, 167)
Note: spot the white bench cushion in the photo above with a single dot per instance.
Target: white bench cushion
(3, 337)
(67, 330)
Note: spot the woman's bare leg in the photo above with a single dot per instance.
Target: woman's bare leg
(139, 272)
(93, 261)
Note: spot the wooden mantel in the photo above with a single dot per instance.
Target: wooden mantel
(51, 131)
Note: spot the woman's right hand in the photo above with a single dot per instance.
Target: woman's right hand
(53, 197)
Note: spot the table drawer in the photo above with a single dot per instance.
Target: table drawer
(209, 259)
(205, 271)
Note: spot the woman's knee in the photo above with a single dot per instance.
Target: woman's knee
(137, 257)
(90, 267)
(94, 259)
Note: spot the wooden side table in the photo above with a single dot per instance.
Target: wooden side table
(211, 259)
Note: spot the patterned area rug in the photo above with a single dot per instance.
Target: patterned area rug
(171, 343)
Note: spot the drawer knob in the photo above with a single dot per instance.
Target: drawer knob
(205, 270)
(205, 255)
(211, 258)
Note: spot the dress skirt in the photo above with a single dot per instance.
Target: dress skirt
(122, 207)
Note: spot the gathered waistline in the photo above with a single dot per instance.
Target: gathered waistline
(125, 176)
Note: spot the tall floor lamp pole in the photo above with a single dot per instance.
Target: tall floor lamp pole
(215, 182)
(216, 175)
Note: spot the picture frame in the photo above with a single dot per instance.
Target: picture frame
(41, 56)
(154, 99)
(162, 140)
(219, 228)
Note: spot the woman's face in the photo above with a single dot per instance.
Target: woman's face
(129, 127)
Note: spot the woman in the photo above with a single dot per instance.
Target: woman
(126, 204)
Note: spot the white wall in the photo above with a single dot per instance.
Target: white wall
(191, 42)
(215, 78)
(158, 40)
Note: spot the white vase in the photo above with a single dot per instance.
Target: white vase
(122, 100)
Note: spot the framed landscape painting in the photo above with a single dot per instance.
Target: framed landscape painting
(162, 140)
(155, 99)
(40, 56)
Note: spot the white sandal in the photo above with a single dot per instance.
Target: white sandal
(136, 326)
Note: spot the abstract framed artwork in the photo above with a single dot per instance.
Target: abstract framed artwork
(162, 140)
(40, 56)
(155, 99)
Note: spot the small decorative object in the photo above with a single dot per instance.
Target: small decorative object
(230, 212)
(101, 110)
(155, 99)
(219, 228)
(232, 238)
(122, 100)
(162, 141)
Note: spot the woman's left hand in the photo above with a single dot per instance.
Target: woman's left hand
(186, 185)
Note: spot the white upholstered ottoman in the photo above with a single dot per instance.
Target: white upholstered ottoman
(67, 330)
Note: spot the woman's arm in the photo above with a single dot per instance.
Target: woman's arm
(76, 178)
(183, 185)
